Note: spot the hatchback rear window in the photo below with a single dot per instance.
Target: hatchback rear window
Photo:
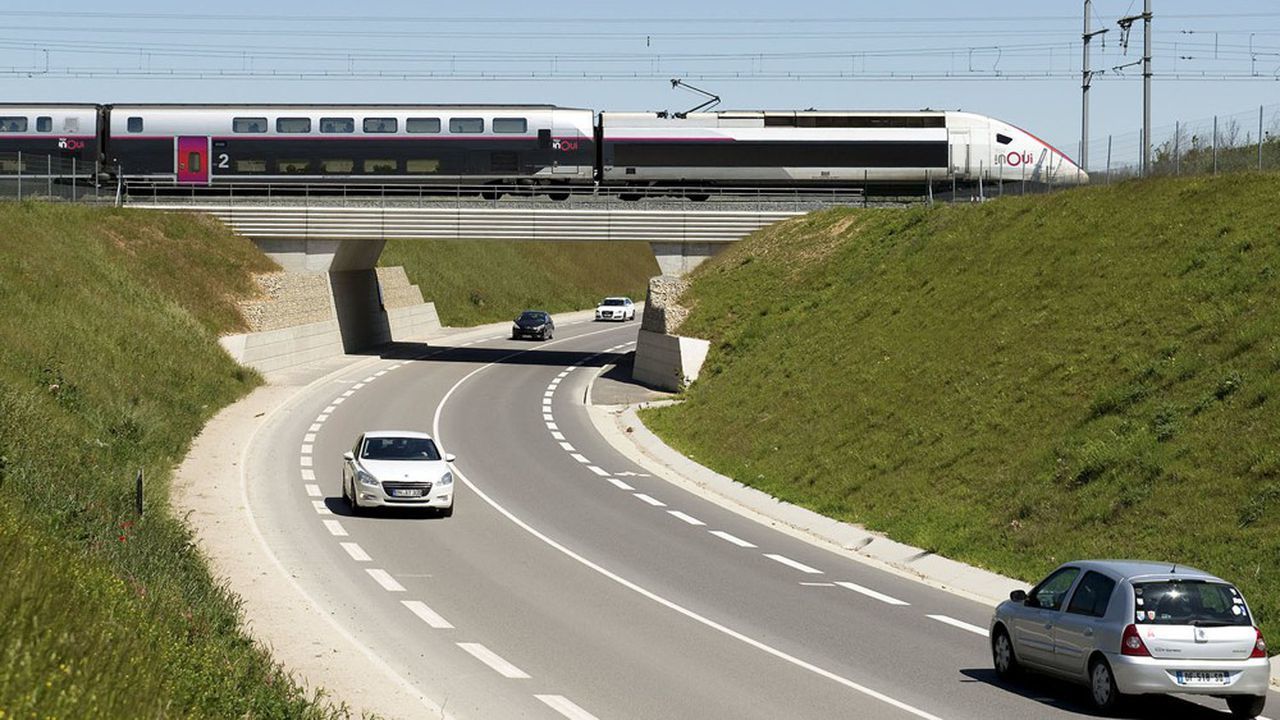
(1189, 602)
(400, 448)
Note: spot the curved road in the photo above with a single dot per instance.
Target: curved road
(571, 584)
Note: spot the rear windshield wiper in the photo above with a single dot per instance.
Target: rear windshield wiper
(1211, 623)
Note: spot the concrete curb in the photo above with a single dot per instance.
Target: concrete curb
(621, 427)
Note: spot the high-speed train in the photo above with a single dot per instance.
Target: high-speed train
(538, 146)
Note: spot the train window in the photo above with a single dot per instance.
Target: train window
(337, 125)
(380, 125)
(510, 125)
(251, 166)
(466, 125)
(422, 125)
(1003, 139)
(291, 167)
(421, 165)
(293, 125)
(13, 123)
(134, 124)
(71, 124)
(379, 166)
(193, 162)
(855, 121)
(249, 124)
(337, 166)
(44, 123)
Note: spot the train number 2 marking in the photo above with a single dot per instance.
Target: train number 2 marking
(224, 161)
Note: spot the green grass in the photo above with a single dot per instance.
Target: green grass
(474, 282)
(109, 364)
(1012, 384)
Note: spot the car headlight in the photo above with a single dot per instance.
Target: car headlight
(365, 478)
(446, 479)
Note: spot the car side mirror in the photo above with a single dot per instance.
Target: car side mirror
(348, 455)
(1018, 596)
(450, 457)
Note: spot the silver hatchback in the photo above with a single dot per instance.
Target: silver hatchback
(1128, 628)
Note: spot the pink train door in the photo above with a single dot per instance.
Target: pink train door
(193, 160)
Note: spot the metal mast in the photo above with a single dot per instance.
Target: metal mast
(1086, 80)
(1125, 23)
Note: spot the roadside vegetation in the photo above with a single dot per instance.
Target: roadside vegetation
(475, 282)
(1093, 373)
(109, 365)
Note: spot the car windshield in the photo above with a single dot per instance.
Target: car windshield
(1189, 602)
(400, 448)
(614, 301)
(529, 316)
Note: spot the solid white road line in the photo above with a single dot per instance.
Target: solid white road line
(818, 584)
(314, 491)
(356, 552)
(429, 616)
(687, 518)
(962, 625)
(580, 458)
(308, 474)
(731, 538)
(488, 657)
(620, 484)
(597, 471)
(335, 528)
(646, 593)
(321, 508)
(793, 564)
(651, 500)
(383, 578)
(562, 705)
(871, 593)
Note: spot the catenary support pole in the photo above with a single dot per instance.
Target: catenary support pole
(1108, 159)
(1146, 86)
(1177, 148)
(1259, 138)
(1215, 144)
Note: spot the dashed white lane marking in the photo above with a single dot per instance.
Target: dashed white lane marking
(549, 393)
(793, 564)
(380, 373)
(580, 458)
(383, 578)
(335, 528)
(369, 379)
(305, 460)
(687, 518)
(314, 491)
(306, 449)
(308, 474)
(328, 411)
(359, 385)
(620, 484)
(309, 437)
(556, 434)
(356, 552)
(339, 400)
(965, 626)
(552, 426)
(323, 416)
(818, 584)
(547, 417)
(314, 428)
(597, 471)
(567, 447)
(651, 500)
(321, 508)
(429, 616)
(546, 402)
(731, 538)
(565, 707)
(347, 394)
(871, 593)
(490, 658)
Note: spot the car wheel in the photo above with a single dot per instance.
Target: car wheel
(1246, 706)
(1002, 657)
(1102, 687)
(353, 500)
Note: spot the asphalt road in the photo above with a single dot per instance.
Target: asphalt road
(571, 584)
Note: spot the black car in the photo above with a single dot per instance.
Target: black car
(534, 324)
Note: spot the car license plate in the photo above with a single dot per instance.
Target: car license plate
(409, 492)
(1201, 677)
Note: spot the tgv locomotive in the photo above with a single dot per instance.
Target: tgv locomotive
(542, 147)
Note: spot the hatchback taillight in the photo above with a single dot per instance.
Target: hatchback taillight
(1131, 643)
(1259, 646)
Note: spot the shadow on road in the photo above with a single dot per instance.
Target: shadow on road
(1073, 698)
(526, 353)
(340, 508)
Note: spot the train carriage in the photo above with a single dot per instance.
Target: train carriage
(352, 144)
(61, 140)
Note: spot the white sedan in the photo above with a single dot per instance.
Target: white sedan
(616, 308)
(397, 468)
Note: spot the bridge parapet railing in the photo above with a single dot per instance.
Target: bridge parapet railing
(29, 176)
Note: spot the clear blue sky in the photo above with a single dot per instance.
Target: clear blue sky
(1019, 61)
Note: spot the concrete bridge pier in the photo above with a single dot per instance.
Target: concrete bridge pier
(676, 259)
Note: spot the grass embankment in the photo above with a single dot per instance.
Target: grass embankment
(474, 282)
(109, 364)
(1013, 384)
